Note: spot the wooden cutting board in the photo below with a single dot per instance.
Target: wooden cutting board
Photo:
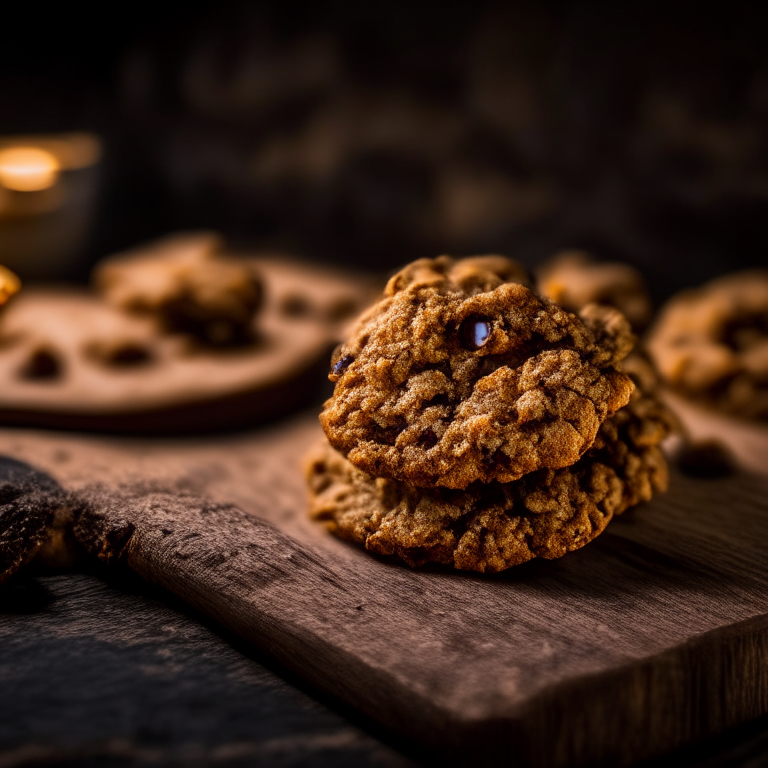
(653, 636)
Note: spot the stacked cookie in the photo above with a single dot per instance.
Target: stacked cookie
(478, 424)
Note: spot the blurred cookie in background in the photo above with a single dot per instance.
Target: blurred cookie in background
(185, 337)
(187, 285)
(574, 279)
(710, 346)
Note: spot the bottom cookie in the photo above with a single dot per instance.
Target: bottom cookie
(494, 526)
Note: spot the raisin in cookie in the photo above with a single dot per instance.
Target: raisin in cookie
(494, 526)
(573, 280)
(462, 373)
(711, 344)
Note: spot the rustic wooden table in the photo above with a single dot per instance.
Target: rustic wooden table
(99, 669)
(99, 666)
(103, 670)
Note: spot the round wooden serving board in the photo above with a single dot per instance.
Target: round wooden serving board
(181, 388)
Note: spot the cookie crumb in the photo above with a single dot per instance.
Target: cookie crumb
(706, 460)
(119, 353)
(42, 364)
(295, 305)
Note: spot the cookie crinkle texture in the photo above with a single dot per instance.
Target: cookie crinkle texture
(494, 526)
(461, 373)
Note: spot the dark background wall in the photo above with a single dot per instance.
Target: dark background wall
(372, 133)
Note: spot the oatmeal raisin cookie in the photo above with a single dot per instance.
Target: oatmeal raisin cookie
(462, 373)
(711, 344)
(494, 526)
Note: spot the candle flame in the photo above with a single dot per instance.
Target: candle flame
(28, 169)
(9, 284)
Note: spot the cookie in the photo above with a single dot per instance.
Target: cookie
(573, 280)
(188, 286)
(33, 515)
(711, 344)
(70, 359)
(462, 373)
(494, 526)
(9, 285)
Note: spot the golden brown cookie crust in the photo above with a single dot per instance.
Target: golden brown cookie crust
(494, 526)
(711, 344)
(460, 374)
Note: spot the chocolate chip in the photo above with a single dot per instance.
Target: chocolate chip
(131, 354)
(220, 333)
(341, 365)
(475, 332)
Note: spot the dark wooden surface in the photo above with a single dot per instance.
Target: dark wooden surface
(653, 636)
(103, 669)
(99, 669)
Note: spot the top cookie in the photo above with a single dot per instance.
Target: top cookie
(462, 373)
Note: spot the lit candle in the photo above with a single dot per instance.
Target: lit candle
(28, 169)
(47, 188)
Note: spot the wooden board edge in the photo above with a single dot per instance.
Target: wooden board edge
(236, 568)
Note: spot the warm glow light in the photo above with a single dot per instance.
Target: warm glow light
(28, 169)
(9, 284)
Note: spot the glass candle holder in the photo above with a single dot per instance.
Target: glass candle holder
(48, 188)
